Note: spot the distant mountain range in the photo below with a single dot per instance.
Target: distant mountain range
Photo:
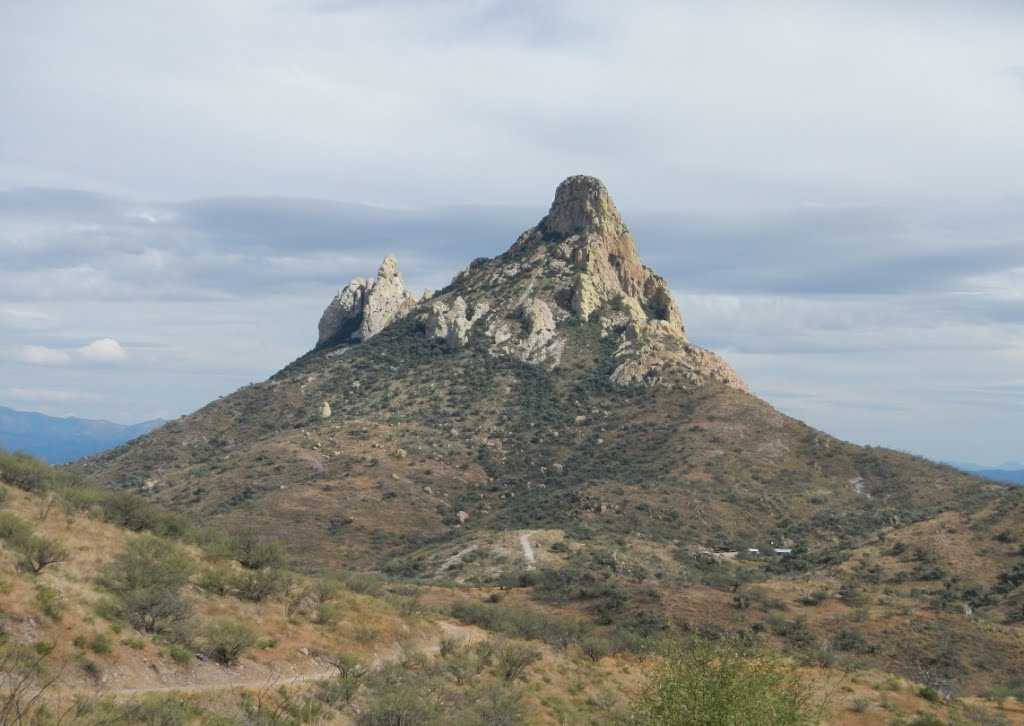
(1012, 472)
(60, 440)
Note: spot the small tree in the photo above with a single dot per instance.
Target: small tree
(255, 552)
(720, 684)
(13, 528)
(324, 589)
(513, 658)
(146, 578)
(258, 585)
(39, 552)
(227, 640)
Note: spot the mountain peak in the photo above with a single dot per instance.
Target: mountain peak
(579, 263)
(581, 202)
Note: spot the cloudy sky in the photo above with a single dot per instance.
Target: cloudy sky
(834, 190)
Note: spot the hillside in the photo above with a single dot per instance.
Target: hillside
(551, 392)
(60, 440)
(115, 612)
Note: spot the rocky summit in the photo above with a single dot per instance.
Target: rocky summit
(578, 264)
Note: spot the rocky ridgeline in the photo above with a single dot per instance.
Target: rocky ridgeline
(578, 262)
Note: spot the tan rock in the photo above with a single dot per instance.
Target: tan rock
(452, 320)
(365, 307)
(385, 301)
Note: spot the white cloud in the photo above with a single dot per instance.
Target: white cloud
(26, 319)
(47, 395)
(103, 350)
(40, 355)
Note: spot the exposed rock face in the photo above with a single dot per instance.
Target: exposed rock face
(578, 262)
(365, 307)
(452, 321)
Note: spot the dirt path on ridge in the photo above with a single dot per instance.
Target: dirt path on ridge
(275, 678)
(528, 555)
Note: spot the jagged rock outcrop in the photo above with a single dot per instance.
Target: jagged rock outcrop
(578, 262)
(365, 307)
(452, 321)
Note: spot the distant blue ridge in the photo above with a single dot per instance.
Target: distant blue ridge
(61, 440)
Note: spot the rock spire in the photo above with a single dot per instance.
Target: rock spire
(363, 308)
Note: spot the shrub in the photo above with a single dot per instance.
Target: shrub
(596, 647)
(323, 590)
(814, 598)
(513, 658)
(146, 579)
(181, 656)
(25, 471)
(13, 528)
(219, 579)
(258, 585)
(100, 644)
(853, 641)
(719, 684)
(328, 613)
(338, 691)
(227, 640)
(448, 646)
(50, 602)
(497, 705)
(39, 552)
(402, 705)
(348, 665)
(255, 553)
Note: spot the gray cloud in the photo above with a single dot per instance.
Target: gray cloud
(845, 199)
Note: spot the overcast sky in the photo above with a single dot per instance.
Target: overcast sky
(834, 190)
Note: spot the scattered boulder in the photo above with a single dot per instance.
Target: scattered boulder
(325, 410)
(462, 516)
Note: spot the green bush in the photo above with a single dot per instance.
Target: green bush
(146, 579)
(258, 585)
(181, 656)
(25, 471)
(227, 640)
(13, 528)
(39, 552)
(100, 644)
(328, 613)
(256, 553)
(50, 603)
(219, 579)
(400, 706)
(513, 659)
(720, 684)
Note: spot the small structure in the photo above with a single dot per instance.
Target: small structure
(784, 551)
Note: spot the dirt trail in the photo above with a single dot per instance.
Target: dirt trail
(455, 559)
(275, 678)
(528, 555)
